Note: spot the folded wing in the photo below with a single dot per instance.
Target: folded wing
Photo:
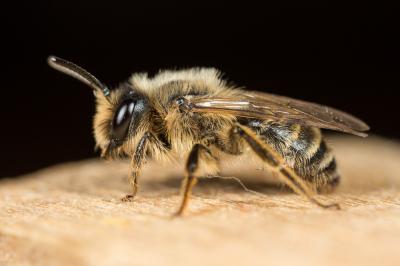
(267, 106)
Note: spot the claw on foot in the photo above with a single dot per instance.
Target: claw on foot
(333, 206)
(177, 214)
(328, 206)
(128, 198)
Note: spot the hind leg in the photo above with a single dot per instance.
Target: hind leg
(277, 163)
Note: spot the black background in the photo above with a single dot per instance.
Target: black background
(346, 59)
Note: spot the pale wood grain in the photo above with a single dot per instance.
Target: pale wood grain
(70, 214)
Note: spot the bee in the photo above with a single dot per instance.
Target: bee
(194, 114)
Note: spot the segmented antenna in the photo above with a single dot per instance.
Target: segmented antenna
(77, 72)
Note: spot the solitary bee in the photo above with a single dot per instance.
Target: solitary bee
(194, 113)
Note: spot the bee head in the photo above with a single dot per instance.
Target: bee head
(118, 120)
(118, 112)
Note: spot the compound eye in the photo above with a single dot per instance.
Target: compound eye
(122, 119)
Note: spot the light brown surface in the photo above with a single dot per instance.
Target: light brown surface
(71, 215)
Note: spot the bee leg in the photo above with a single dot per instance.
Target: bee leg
(190, 180)
(136, 165)
(271, 157)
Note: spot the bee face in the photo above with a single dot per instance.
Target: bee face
(119, 118)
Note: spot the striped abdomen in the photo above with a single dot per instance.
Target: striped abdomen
(303, 148)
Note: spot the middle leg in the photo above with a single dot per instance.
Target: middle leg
(192, 166)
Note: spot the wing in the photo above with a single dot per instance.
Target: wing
(273, 107)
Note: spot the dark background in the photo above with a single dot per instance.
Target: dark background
(346, 59)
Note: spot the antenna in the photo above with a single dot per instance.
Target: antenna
(77, 72)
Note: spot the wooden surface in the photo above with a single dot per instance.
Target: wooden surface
(70, 214)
